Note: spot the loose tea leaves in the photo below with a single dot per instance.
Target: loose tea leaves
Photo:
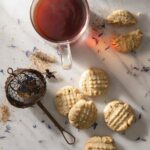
(96, 40)
(34, 126)
(137, 139)
(134, 70)
(8, 128)
(100, 34)
(140, 116)
(40, 141)
(28, 53)
(94, 126)
(43, 121)
(66, 122)
(50, 74)
(147, 94)
(142, 107)
(49, 127)
(140, 139)
(145, 69)
(2, 71)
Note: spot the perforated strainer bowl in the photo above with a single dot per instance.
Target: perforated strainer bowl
(26, 87)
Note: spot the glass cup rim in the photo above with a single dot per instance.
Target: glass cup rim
(75, 38)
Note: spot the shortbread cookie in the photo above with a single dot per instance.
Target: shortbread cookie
(83, 114)
(121, 17)
(94, 82)
(66, 97)
(100, 143)
(127, 42)
(118, 115)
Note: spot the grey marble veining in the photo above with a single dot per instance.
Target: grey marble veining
(30, 128)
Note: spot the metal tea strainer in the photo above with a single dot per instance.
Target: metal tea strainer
(26, 87)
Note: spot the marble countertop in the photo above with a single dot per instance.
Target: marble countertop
(30, 128)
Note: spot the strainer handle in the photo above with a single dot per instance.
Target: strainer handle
(69, 138)
(11, 71)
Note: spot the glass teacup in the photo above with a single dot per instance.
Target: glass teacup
(61, 22)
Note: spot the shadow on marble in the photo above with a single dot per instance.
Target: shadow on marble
(138, 129)
(55, 80)
(121, 89)
(119, 146)
(96, 22)
(144, 48)
(143, 23)
(91, 59)
(100, 129)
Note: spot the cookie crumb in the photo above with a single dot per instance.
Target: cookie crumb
(4, 113)
(139, 14)
(41, 61)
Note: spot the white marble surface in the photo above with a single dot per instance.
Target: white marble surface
(16, 29)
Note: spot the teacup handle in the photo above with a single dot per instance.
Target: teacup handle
(64, 51)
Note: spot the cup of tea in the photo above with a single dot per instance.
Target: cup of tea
(60, 22)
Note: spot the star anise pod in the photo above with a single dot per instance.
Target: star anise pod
(50, 74)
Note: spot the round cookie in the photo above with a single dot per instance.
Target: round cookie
(66, 97)
(118, 115)
(121, 18)
(100, 143)
(94, 82)
(83, 114)
(127, 42)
